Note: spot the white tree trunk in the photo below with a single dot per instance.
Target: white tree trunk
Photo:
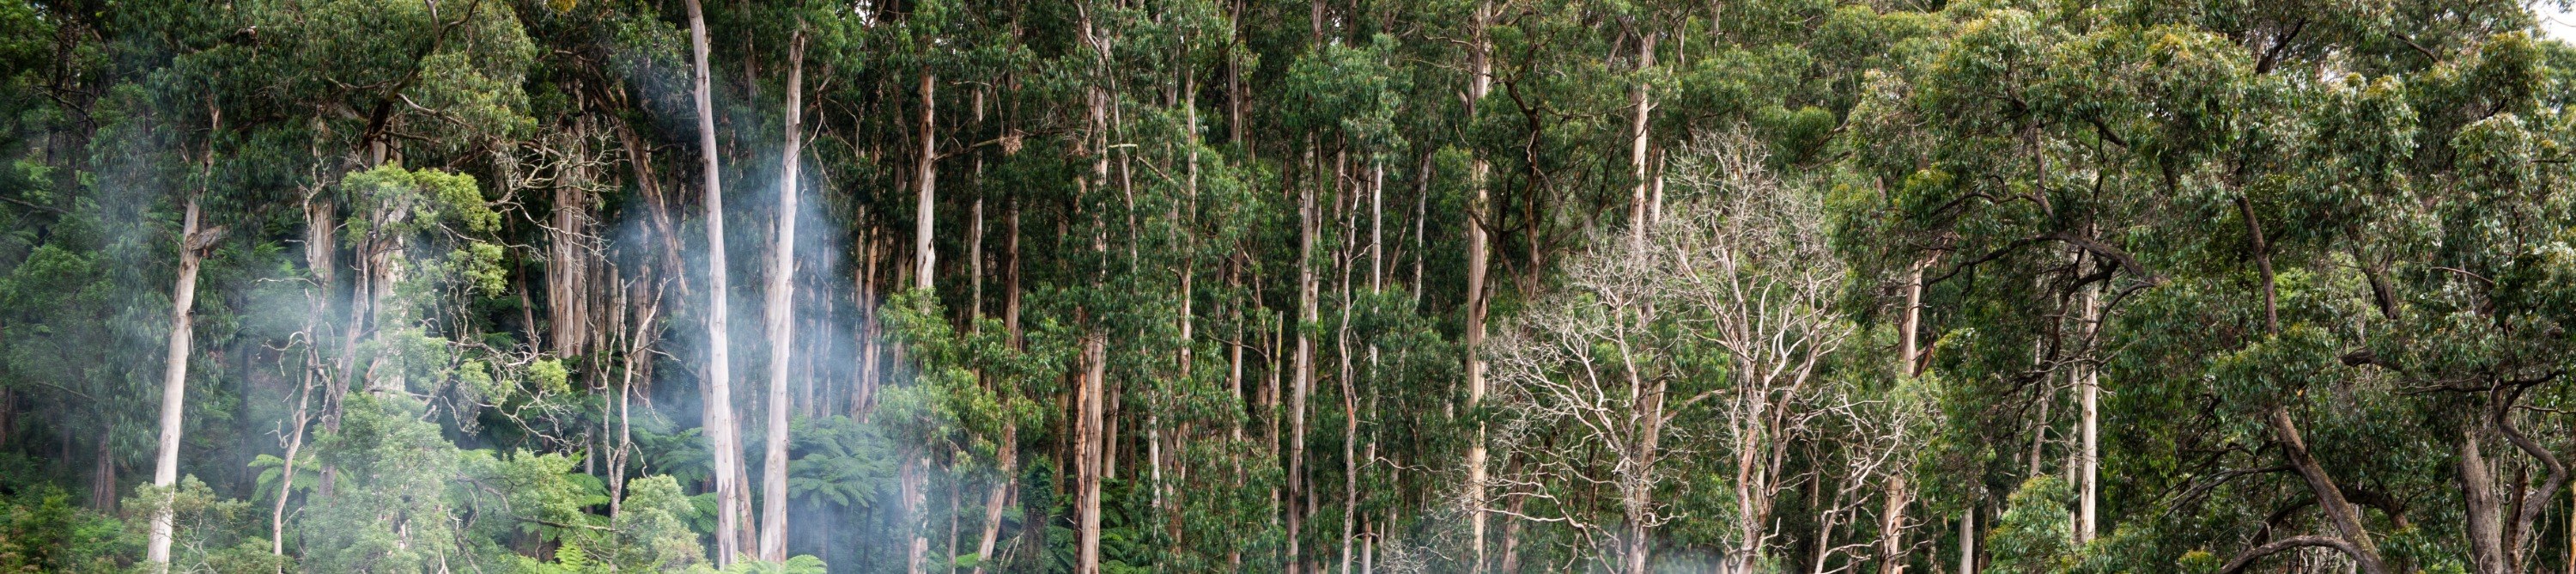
(1479, 83)
(2090, 381)
(1968, 540)
(174, 384)
(782, 331)
(723, 444)
(1642, 100)
(928, 171)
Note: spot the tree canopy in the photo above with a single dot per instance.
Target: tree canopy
(1737, 286)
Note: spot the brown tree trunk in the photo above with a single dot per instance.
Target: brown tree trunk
(2339, 511)
(102, 477)
(668, 233)
(1087, 457)
(1004, 478)
(568, 259)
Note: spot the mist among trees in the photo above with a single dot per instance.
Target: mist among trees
(1307, 287)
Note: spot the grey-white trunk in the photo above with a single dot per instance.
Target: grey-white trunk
(782, 322)
(928, 171)
(1479, 83)
(174, 383)
(723, 444)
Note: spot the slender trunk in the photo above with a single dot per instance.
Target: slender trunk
(1479, 83)
(641, 160)
(1368, 552)
(1303, 379)
(953, 494)
(928, 172)
(1891, 522)
(1350, 437)
(2339, 511)
(1642, 100)
(1511, 555)
(1004, 477)
(782, 322)
(1968, 540)
(1088, 452)
(639, 314)
(867, 299)
(286, 470)
(1377, 226)
(2090, 394)
(719, 422)
(174, 380)
(1891, 535)
(915, 492)
(2263, 263)
(102, 477)
(1421, 213)
(1639, 484)
(2039, 428)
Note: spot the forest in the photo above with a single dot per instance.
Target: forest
(1287, 286)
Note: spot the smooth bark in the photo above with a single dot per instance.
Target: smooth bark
(174, 381)
(723, 444)
(782, 323)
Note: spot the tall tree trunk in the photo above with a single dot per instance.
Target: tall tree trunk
(1350, 434)
(1087, 457)
(174, 380)
(1968, 540)
(2089, 393)
(1479, 83)
(915, 475)
(1641, 99)
(724, 445)
(782, 295)
(568, 259)
(1891, 521)
(1639, 484)
(641, 160)
(866, 286)
(1891, 526)
(1303, 378)
(102, 476)
(294, 448)
(1004, 477)
(1090, 452)
(1377, 228)
(928, 174)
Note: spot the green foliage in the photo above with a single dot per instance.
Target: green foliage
(846, 463)
(801, 564)
(40, 531)
(462, 257)
(2036, 535)
(393, 513)
(652, 527)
